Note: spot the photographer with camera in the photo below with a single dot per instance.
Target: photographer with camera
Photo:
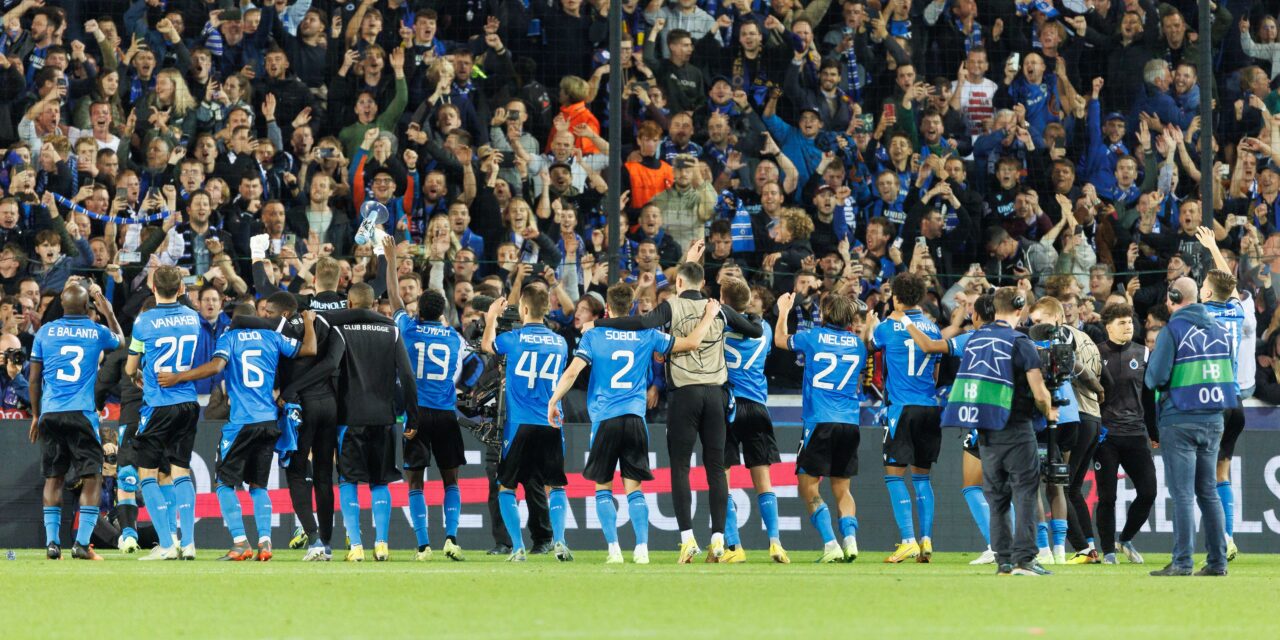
(14, 391)
(997, 390)
(1191, 368)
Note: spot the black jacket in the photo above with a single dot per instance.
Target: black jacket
(1128, 408)
(366, 389)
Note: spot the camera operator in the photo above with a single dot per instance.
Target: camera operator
(14, 393)
(1192, 369)
(997, 390)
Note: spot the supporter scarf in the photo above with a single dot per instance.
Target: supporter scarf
(973, 38)
(75, 208)
(137, 90)
(730, 207)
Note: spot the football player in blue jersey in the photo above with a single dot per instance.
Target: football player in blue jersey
(749, 439)
(64, 370)
(164, 340)
(531, 448)
(913, 435)
(245, 451)
(980, 311)
(621, 370)
(437, 353)
(834, 357)
(1222, 301)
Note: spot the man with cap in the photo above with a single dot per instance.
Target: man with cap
(1106, 142)
(798, 143)
(689, 202)
(1191, 368)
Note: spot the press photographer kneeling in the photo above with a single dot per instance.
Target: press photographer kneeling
(998, 389)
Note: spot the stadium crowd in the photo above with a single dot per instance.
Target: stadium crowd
(817, 150)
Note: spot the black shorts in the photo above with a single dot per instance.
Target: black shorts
(535, 457)
(831, 450)
(1232, 427)
(749, 439)
(248, 456)
(915, 439)
(1067, 434)
(622, 441)
(438, 435)
(125, 455)
(367, 454)
(68, 442)
(970, 443)
(166, 437)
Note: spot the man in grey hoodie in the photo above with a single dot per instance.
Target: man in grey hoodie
(1191, 368)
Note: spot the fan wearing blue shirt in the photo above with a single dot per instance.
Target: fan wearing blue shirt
(247, 446)
(620, 377)
(64, 360)
(749, 439)
(164, 340)
(914, 433)
(437, 354)
(531, 448)
(834, 357)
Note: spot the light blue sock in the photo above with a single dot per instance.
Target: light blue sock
(184, 490)
(768, 503)
(171, 501)
(900, 500)
(638, 509)
(848, 526)
(452, 509)
(1228, 498)
(158, 509)
(511, 517)
(980, 511)
(128, 532)
(558, 505)
(731, 537)
(924, 502)
(607, 511)
(232, 515)
(381, 497)
(349, 500)
(418, 516)
(1059, 528)
(261, 512)
(52, 525)
(1042, 535)
(821, 520)
(88, 520)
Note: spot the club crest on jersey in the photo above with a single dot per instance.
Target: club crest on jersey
(1133, 364)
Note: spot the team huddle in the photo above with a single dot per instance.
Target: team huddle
(335, 388)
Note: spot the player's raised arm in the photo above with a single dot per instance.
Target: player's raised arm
(491, 324)
(926, 344)
(695, 337)
(309, 347)
(785, 302)
(104, 308)
(393, 278)
(570, 375)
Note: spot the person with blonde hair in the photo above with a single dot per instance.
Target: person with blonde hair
(170, 110)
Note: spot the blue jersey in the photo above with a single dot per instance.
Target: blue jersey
(620, 369)
(1230, 316)
(436, 353)
(745, 358)
(252, 356)
(833, 363)
(909, 378)
(166, 338)
(69, 348)
(535, 359)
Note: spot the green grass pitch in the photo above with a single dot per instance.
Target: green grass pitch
(486, 598)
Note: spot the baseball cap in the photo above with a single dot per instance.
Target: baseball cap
(1114, 115)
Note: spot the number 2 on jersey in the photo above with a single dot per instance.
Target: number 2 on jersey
(182, 351)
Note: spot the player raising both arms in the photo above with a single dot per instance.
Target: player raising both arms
(64, 370)
(620, 374)
(436, 354)
(164, 340)
(532, 450)
(749, 438)
(247, 445)
(913, 436)
(834, 357)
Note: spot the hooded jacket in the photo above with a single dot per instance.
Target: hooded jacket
(1160, 369)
